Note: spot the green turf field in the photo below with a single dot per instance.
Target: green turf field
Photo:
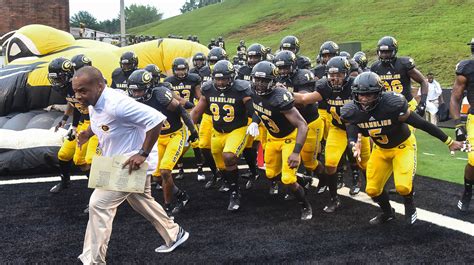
(434, 159)
(433, 32)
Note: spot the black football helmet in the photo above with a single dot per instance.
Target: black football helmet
(60, 72)
(472, 46)
(264, 75)
(140, 85)
(337, 65)
(155, 73)
(345, 54)
(128, 62)
(365, 84)
(223, 69)
(180, 64)
(242, 56)
(390, 44)
(328, 49)
(79, 61)
(306, 62)
(255, 54)
(199, 60)
(286, 62)
(361, 59)
(216, 54)
(290, 43)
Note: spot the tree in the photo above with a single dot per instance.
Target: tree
(85, 17)
(191, 5)
(137, 15)
(110, 26)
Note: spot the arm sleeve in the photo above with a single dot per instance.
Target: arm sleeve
(186, 118)
(249, 108)
(416, 121)
(352, 132)
(138, 114)
(76, 116)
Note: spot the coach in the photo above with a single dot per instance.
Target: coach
(123, 127)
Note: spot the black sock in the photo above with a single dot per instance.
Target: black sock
(322, 179)
(408, 199)
(198, 156)
(331, 181)
(384, 202)
(250, 156)
(65, 170)
(88, 172)
(209, 160)
(468, 186)
(233, 179)
(300, 196)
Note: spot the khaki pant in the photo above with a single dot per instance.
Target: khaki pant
(102, 209)
(433, 118)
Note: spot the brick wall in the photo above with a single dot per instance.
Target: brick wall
(18, 13)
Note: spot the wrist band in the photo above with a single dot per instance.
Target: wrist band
(449, 141)
(297, 148)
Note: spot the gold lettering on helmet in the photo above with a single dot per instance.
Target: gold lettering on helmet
(66, 65)
(347, 64)
(86, 59)
(230, 67)
(146, 77)
(275, 70)
(293, 56)
(379, 81)
(395, 42)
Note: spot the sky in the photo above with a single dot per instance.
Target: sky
(108, 9)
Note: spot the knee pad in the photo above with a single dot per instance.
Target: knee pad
(402, 190)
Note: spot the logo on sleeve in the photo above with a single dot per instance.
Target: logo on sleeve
(105, 128)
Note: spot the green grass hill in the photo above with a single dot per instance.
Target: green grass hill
(433, 32)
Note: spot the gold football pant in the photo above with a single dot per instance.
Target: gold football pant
(326, 120)
(336, 146)
(401, 160)
(80, 156)
(277, 152)
(205, 131)
(310, 149)
(470, 137)
(170, 147)
(232, 142)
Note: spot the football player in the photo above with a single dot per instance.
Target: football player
(287, 131)
(230, 103)
(397, 72)
(384, 117)
(302, 81)
(60, 72)
(361, 60)
(291, 43)
(128, 64)
(199, 63)
(188, 86)
(172, 136)
(335, 89)
(464, 82)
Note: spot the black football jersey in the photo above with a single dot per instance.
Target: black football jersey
(70, 97)
(244, 73)
(320, 72)
(204, 72)
(227, 107)
(160, 99)
(119, 79)
(269, 109)
(302, 80)
(381, 123)
(466, 68)
(335, 100)
(185, 88)
(395, 76)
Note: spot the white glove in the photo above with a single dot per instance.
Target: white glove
(71, 133)
(252, 130)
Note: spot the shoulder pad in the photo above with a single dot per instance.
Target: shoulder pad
(163, 95)
(319, 71)
(348, 111)
(241, 85)
(245, 69)
(465, 67)
(117, 71)
(207, 86)
(407, 62)
(193, 71)
(194, 78)
(394, 102)
(282, 99)
(169, 79)
(303, 77)
(166, 84)
(374, 66)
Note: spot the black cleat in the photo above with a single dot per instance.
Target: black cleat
(180, 174)
(288, 197)
(169, 210)
(224, 187)
(306, 213)
(340, 180)
(273, 188)
(249, 184)
(234, 202)
(355, 189)
(463, 203)
(212, 183)
(333, 205)
(60, 187)
(182, 200)
(320, 189)
(383, 218)
(200, 175)
(410, 213)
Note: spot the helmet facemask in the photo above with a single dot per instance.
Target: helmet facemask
(367, 101)
(263, 86)
(59, 79)
(336, 79)
(140, 93)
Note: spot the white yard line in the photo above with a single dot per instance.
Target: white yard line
(424, 215)
(428, 154)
